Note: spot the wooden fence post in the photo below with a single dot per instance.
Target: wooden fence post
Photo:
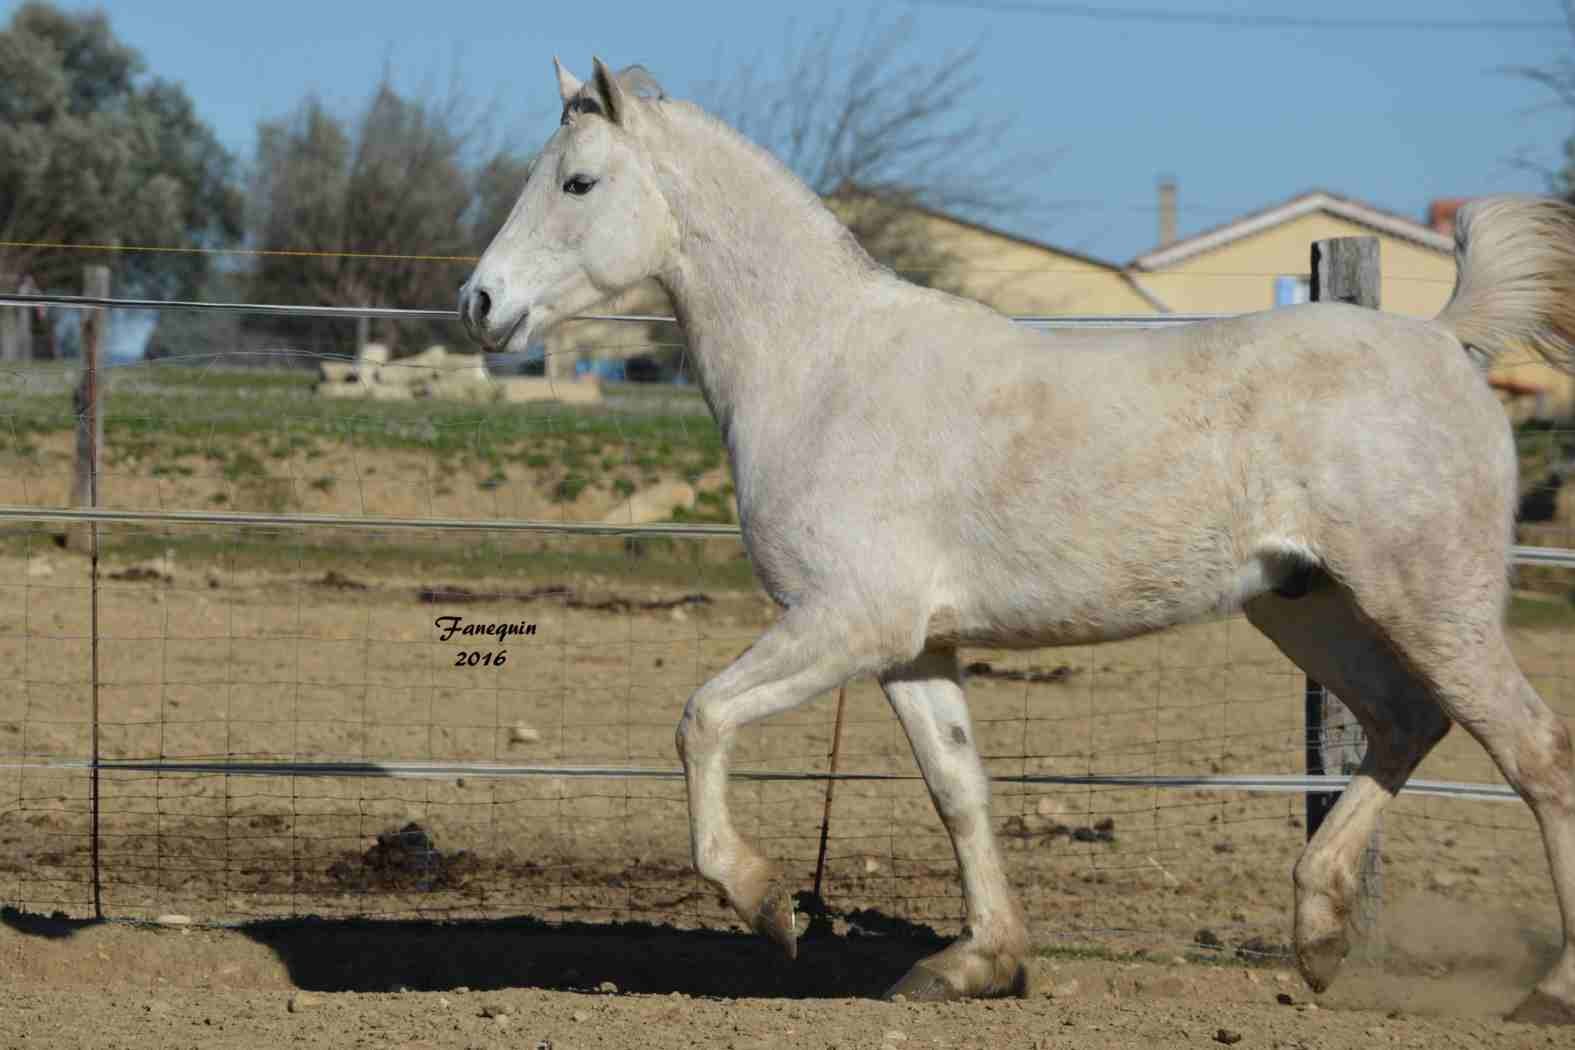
(1344, 269)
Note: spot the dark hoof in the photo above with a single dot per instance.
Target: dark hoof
(774, 919)
(1319, 961)
(920, 985)
(1541, 1008)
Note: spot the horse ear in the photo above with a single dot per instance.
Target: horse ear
(611, 91)
(568, 84)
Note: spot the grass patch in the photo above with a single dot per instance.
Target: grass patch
(697, 565)
(1544, 613)
(568, 489)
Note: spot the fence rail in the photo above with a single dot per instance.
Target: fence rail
(1287, 783)
(1520, 554)
(92, 302)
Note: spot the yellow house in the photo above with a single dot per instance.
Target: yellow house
(1023, 277)
(1250, 263)
(1240, 265)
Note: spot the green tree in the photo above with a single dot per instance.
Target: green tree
(92, 151)
(385, 197)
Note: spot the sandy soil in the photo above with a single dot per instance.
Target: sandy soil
(484, 985)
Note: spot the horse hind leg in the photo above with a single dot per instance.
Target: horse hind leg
(1446, 628)
(1322, 632)
(1530, 744)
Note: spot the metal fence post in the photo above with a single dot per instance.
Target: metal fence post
(1344, 269)
(89, 402)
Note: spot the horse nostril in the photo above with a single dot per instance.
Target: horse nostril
(483, 306)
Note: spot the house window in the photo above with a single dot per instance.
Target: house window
(1290, 290)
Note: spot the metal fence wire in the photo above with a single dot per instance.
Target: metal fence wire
(292, 718)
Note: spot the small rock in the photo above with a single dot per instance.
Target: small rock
(1048, 807)
(678, 615)
(521, 733)
(581, 1016)
(1310, 1008)
(502, 1020)
(871, 865)
(1284, 999)
(303, 1001)
(1228, 1037)
(492, 1009)
(445, 1002)
(173, 920)
(607, 988)
(545, 1044)
(157, 1007)
(899, 998)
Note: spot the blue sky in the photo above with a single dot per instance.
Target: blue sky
(1242, 117)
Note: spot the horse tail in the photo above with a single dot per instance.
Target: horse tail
(1515, 278)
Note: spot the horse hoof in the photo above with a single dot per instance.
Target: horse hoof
(774, 918)
(1541, 1008)
(1320, 960)
(922, 985)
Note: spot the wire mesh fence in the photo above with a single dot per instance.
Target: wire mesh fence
(293, 720)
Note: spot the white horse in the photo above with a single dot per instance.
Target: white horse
(915, 473)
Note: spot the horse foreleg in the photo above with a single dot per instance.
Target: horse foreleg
(801, 656)
(989, 959)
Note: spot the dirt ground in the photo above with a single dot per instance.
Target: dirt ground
(485, 985)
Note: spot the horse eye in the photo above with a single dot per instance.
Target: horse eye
(579, 185)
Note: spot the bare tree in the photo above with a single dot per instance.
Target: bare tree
(1558, 80)
(881, 133)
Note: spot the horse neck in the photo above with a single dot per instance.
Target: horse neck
(762, 268)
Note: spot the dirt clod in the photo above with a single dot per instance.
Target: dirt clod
(1228, 1037)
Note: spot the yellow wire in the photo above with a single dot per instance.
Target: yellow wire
(238, 251)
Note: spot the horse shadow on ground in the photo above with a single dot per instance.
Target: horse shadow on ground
(861, 957)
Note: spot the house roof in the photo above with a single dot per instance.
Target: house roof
(1312, 201)
(979, 227)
